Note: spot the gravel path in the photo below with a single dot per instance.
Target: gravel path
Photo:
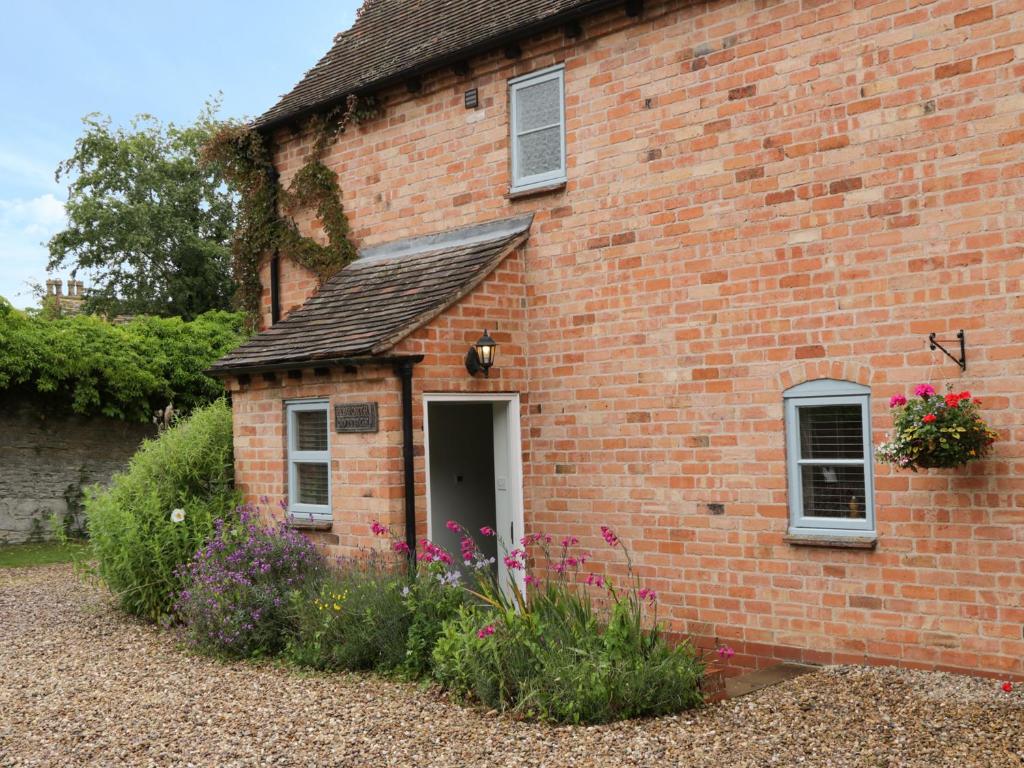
(82, 686)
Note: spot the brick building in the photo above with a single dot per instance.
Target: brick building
(699, 234)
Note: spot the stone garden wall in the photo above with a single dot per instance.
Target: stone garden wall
(46, 462)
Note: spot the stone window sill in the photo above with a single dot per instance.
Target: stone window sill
(519, 194)
(305, 524)
(831, 541)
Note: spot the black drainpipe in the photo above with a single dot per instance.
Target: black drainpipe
(403, 369)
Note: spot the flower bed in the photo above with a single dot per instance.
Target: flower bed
(572, 645)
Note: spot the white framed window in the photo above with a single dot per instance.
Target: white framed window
(309, 458)
(829, 458)
(537, 128)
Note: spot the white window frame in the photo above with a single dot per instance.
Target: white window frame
(816, 393)
(548, 178)
(295, 456)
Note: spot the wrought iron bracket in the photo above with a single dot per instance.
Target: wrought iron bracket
(934, 343)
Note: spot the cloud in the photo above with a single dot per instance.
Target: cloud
(25, 227)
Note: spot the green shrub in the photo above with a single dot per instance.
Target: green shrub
(88, 365)
(432, 599)
(237, 588)
(552, 657)
(354, 618)
(137, 545)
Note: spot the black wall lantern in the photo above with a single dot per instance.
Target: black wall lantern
(481, 355)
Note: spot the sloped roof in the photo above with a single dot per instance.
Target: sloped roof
(382, 297)
(396, 39)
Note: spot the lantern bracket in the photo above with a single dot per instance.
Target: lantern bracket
(936, 343)
(473, 363)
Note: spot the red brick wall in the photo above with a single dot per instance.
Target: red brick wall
(758, 194)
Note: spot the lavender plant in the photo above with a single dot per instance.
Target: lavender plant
(237, 588)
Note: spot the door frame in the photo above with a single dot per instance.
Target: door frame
(515, 452)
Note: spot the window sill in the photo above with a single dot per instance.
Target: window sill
(831, 540)
(519, 194)
(305, 524)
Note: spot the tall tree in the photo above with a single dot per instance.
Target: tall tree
(145, 220)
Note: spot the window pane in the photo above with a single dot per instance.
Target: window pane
(831, 432)
(311, 430)
(538, 106)
(833, 491)
(311, 480)
(540, 152)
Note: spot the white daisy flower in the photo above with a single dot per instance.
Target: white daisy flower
(178, 515)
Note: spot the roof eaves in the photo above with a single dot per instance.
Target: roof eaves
(430, 65)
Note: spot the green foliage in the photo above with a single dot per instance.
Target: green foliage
(239, 155)
(934, 431)
(550, 655)
(137, 546)
(355, 618)
(150, 225)
(558, 662)
(125, 371)
(431, 601)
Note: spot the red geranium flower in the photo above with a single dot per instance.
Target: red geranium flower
(929, 418)
(952, 400)
(1008, 686)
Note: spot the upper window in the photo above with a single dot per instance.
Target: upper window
(309, 459)
(829, 458)
(538, 128)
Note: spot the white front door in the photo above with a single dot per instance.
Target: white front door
(474, 472)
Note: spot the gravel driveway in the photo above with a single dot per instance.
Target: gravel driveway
(82, 686)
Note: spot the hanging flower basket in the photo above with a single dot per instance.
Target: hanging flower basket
(931, 431)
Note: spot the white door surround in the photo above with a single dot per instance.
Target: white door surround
(508, 474)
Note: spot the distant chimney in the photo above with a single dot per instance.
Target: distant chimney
(49, 287)
(57, 287)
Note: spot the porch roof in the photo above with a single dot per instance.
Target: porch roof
(382, 297)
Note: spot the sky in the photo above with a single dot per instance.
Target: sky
(62, 60)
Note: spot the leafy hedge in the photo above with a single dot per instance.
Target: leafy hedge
(155, 515)
(121, 370)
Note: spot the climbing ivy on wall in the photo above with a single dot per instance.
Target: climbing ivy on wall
(266, 208)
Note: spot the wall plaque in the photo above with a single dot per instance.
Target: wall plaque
(355, 417)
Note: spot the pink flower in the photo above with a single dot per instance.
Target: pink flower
(559, 567)
(928, 418)
(379, 529)
(451, 525)
(400, 546)
(572, 562)
(514, 559)
(924, 390)
(570, 541)
(647, 594)
(725, 652)
(485, 632)
(897, 400)
(610, 538)
(532, 580)
(486, 531)
(1007, 686)
(594, 580)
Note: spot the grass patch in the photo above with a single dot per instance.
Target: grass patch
(42, 553)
